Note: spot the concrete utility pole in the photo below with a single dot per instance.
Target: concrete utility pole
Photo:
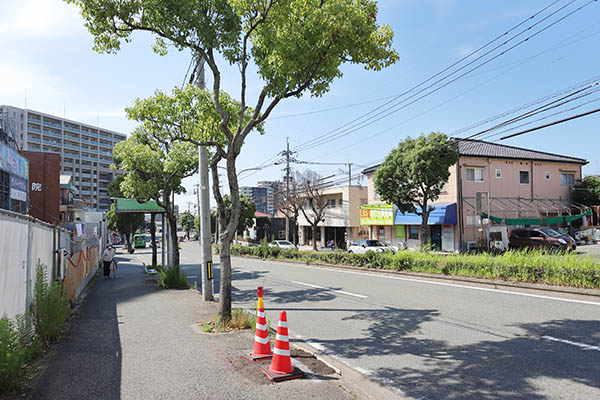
(287, 190)
(349, 174)
(204, 206)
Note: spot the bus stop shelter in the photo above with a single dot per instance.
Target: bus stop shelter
(133, 206)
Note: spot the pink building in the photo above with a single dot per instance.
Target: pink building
(502, 181)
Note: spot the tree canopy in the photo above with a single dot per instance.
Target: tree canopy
(587, 192)
(414, 174)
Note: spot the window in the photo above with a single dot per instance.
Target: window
(413, 231)
(547, 175)
(524, 177)
(341, 202)
(331, 203)
(498, 173)
(474, 174)
(567, 179)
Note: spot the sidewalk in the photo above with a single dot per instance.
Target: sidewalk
(133, 341)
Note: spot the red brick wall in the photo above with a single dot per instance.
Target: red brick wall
(44, 169)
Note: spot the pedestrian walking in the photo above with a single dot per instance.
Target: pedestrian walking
(107, 259)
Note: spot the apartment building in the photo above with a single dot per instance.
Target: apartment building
(511, 185)
(341, 221)
(258, 196)
(272, 188)
(85, 150)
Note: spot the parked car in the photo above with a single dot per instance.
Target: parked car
(362, 246)
(283, 244)
(541, 239)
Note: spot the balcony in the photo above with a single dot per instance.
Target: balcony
(93, 142)
(89, 158)
(48, 132)
(70, 146)
(34, 139)
(34, 129)
(52, 123)
(35, 120)
(71, 129)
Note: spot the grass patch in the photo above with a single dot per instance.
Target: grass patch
(519, 266)
(171, 278)
(240, 320)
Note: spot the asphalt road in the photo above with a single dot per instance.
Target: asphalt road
(430, 339)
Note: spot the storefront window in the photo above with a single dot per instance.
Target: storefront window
(413, 232)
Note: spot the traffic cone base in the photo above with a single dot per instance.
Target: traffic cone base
(296, 373)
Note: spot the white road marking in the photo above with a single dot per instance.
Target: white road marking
(331, 290)
(582, 345)
(363, 371)
(593, 303)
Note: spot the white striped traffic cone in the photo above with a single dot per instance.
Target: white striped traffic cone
(262, 341)
(281, 365)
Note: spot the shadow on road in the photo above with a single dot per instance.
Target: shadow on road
(512, 367)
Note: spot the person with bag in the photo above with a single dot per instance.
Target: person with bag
(107, 259)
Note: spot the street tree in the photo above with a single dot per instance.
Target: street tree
(289, 204)
(296, 47)
(125, 224)
(312, 201)
(414, 174)
(187, 223)
(154, 169)
(587, 192)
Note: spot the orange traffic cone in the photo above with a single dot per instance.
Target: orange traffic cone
(281, 366)
(262, 342)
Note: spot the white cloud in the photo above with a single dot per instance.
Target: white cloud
(41, 19)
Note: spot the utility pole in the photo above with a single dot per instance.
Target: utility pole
(287, 182)
(204, 204)
(349, 174)
(198, 208)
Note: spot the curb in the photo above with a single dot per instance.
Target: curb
(451, 278)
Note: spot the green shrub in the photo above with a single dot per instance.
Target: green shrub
(171, 278)
(13, 356)
(263, 248)
(523, 266)
(50, 306)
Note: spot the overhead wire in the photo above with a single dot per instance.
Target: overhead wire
(397, 107)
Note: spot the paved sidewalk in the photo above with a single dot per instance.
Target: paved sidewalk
(133, 341)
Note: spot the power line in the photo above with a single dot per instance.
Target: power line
(390, 109)
(397, 107)
(560, 121)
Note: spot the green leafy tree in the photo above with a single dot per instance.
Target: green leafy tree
(296, 46)
(124, 224)
(414, 174)
(587, 192)
(154, 168)
(187, 222)
(246, 215)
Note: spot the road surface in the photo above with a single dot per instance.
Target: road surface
(431, 339)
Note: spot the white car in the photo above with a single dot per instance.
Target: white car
(362, 246)
(283, 244)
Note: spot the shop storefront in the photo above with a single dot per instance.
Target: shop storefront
(14, 177)
(442, 224)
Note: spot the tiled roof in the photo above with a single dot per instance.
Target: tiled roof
(479, 148)
(258, 214)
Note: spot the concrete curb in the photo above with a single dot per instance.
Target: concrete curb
(447, 278)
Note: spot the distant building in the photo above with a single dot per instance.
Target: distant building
(258, 196)
(272, 188)
(44, 185)
(85, 150)
(14, 169)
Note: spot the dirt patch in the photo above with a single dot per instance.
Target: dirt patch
(316, 367)
(250, 370)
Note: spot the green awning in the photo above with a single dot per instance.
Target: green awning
(537, 221)
(134, 206)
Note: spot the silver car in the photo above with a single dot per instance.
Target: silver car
(283, 244)
(364, 245)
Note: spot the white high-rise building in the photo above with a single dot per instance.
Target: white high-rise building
(86, 151)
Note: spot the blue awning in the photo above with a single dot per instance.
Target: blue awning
(442, 214)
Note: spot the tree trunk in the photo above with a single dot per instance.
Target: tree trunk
(424, 229)
(314, 236)
(153, 237)
(225, 288)
(173, 231)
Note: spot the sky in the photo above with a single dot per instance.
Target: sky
(48, 64)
